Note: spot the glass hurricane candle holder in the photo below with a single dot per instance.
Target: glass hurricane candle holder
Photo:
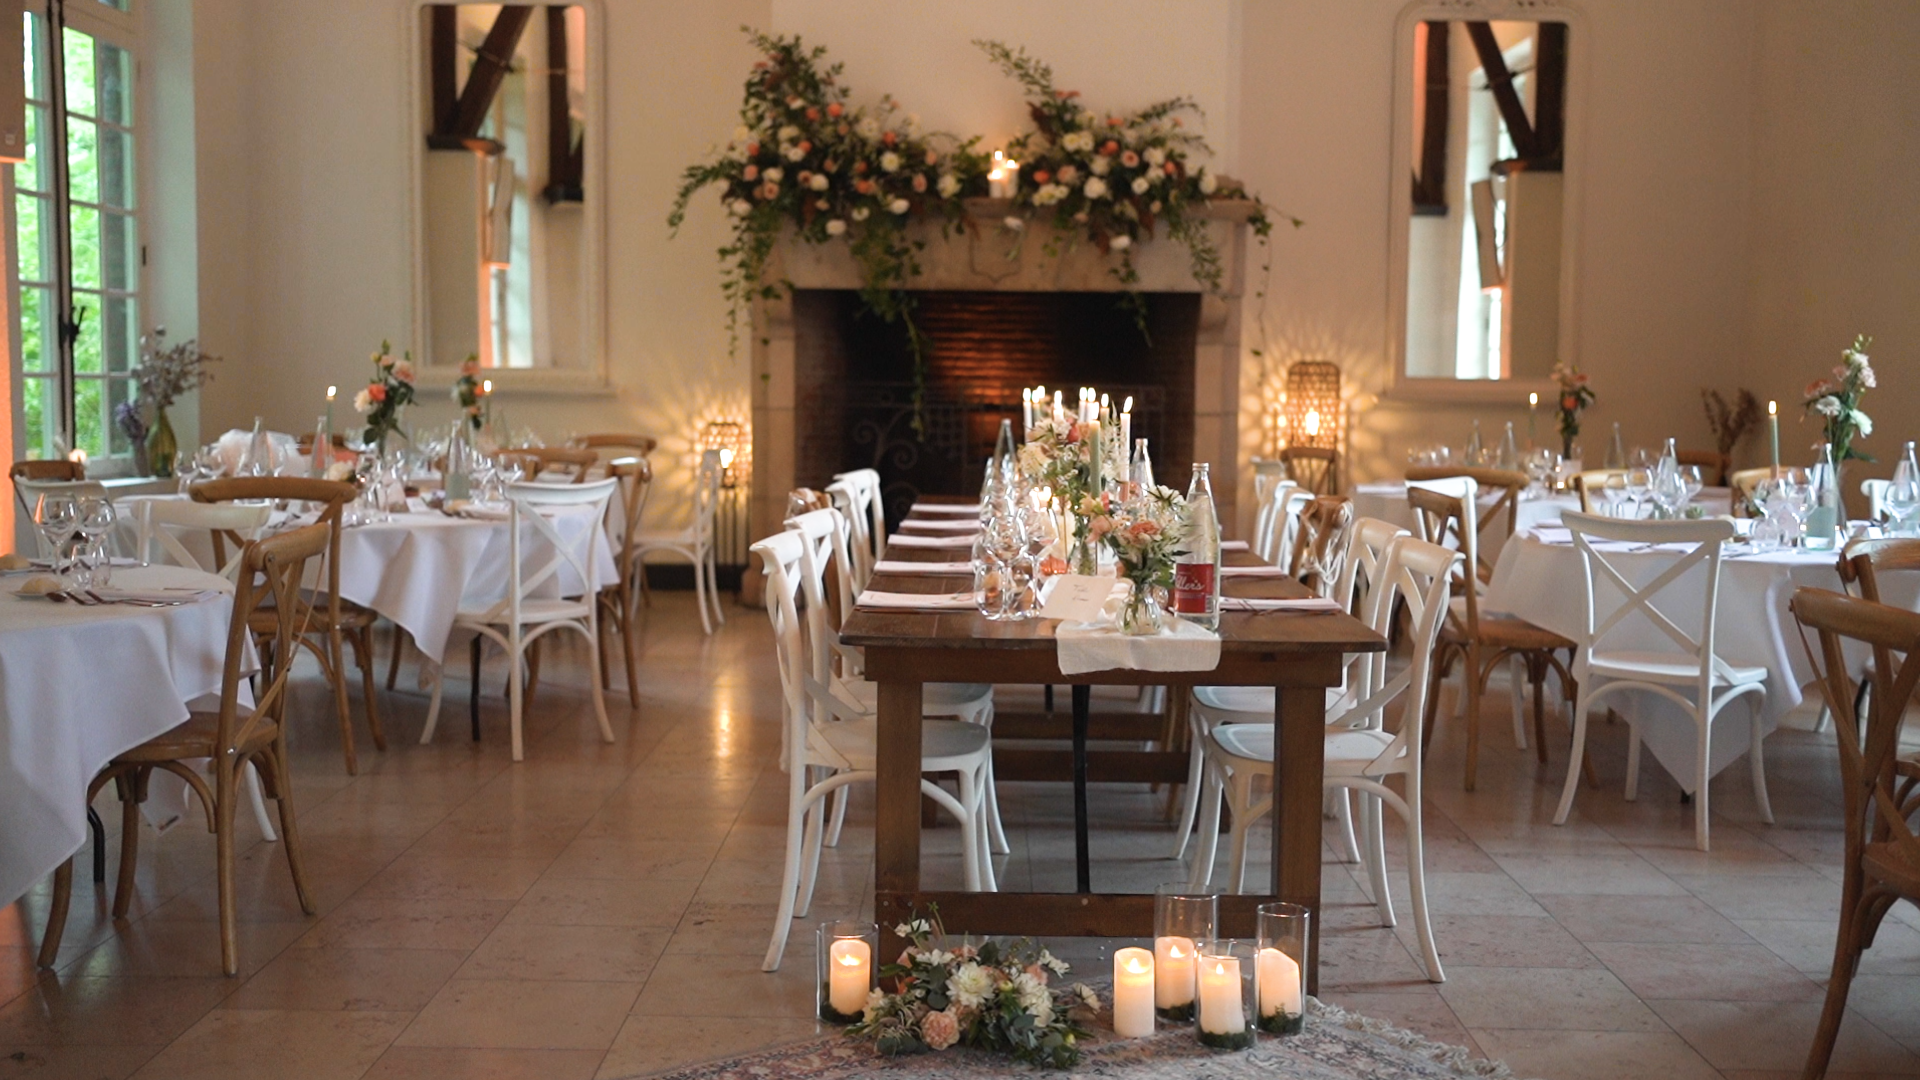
(1227, 997)
(846, 950)
(1282, 936)
(1181, 922)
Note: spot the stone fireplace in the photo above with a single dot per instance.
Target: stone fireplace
(833, 384)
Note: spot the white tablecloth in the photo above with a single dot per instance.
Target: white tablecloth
(1544, 584)
(1387, 500)
(79, 685)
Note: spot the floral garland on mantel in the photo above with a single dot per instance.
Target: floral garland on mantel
(805, 158)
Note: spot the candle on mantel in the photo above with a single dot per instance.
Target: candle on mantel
(1059, 407)
(1773, 435)
(849, 974)
(1279, 976)
(1026, 411)
(1003, 177)
(1221, 1009)
(1172, 972)
(1126, 424)
(1133, 993)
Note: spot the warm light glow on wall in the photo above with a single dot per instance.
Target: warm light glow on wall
(734, 440)
(1312, 411)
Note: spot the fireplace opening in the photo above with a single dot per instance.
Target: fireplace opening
(854, 380)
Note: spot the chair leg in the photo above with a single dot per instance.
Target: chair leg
(439, 675)
(1516, 696)
(1209, 826)
(259, 802)
(836, 818)
(1190, 795)
(225, 789)
(289, 828)
(1537, 674)
(1857, 925)
(129, 787)
(1417, 883)
(364, 656)
(970, 845)
(629, 636)
(1633, 764)
(1701, 776)
(516, 698)
(599, 695)
(1758, 762)
(1579, 751)
(982, 843)
(1343, 813)
(996, 830)
(1475, 683)
(713, 588)
(393, 664)
(790, 875)
(57, 914)
(98, 829)
(334, 661)
(811, 838)
(600, 632)
(1374, 836)
(700, 596)
(533, 668)
(1240, 800)
(473, 688)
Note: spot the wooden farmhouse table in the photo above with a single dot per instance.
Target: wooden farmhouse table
(1300, 655)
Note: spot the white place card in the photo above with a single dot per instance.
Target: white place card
(1076, 597)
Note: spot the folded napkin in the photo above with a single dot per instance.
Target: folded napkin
(479, 511)
(1181, 646)
(962, 525)
(909, 540)
(156, 595)
(1311, 605)
(875, 600)
(967, 509)
(1553, 534)
(1254, 571)
(1233, 545)
(896, 566)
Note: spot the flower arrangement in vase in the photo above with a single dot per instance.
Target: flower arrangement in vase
(467, 392)
(1058, 456)
(163, 374)
(1575, 396)
(1836, 400)
(389, 391)
(993, 996)
(1146, 534)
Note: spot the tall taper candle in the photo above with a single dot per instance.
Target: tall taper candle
(1126, 424)
(1773, 435)
(331, 390)
(1533, 410)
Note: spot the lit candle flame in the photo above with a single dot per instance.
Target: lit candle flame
(1128, 407)
(1773, 408)
(332, 390)
(847, 960)
(1533, 400)
(486, 386)
(1174, 953)
(726, 457)
(1219, 968)
(1312, 422)
(1135, 967)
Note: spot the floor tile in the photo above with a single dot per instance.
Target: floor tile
(390, 980)
(522, 1014)
(271, 1044)
(109, 1012)
(386, 922)
(1767, 1035)
(1706, 972)
(1595, 1055)
(552, 953)
(1619, 875)
(72, 1062)
(1500, 941)
(438, 1063)
(1544, 999)
(1648, 919)
(646, 1045)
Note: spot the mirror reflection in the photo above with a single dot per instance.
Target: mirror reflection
(503, 188)
(1484, 260)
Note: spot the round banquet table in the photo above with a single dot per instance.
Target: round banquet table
(1539, 578)
(79, 685)
(1387, 501)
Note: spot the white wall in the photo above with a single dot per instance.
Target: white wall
(1748, 200)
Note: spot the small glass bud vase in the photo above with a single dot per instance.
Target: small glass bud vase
(1226, 995)
(1281, 988)
(1140, 613)
(846, 951)
(1182, 921)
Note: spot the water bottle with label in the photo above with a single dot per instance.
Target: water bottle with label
(1825, 514)
(1196, 574)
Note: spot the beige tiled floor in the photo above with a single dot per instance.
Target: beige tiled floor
(601, 911)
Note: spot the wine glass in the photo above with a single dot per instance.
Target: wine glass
(95, 523)
(1614, 491)
(1797, 487)
(1541, 462)
(1901, 501)
(1639, 483)
(58, 517)
(1691, 482)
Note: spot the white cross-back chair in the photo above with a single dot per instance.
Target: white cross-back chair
(831, 742)
(695, 543)
(1362, 570)
(1276, 521)
(524, 615)
(1690, 673)
(868, 514)
(1361, 755)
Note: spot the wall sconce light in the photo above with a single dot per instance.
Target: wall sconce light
(1313, 411)
(735, 444)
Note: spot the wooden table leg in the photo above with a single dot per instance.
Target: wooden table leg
(1299, 756)
(896, 855)
(1082, 857)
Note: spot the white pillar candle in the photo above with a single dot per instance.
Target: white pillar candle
(1279, 976)
(849, 974)
(1221, 1011)
(1133, 993)
(1059, 406)
(1172, 972)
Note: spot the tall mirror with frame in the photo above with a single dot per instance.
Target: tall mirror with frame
(508, 213)
(1484, 169)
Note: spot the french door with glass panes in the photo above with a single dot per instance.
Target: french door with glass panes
(78, 254)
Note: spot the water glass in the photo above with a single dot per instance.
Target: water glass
(1614, 492)
(95, 524)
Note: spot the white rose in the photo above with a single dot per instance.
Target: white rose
(789, 133)
(970, 986)
(869, 128)
(1140, 185)
(859, 213)
(1154, 155)
(363, 401)
(1863, 422)
(949, 185)
(836, 227)
(1014, 223)
(1827, 406)
(794, 153)
(1120, 243)
(1100, 165)
(898, 206)
(773, 175)
(890, 162)
(1078, 141)
(739, 207)
(1208, 183)
(818, 181)
(1096, 188)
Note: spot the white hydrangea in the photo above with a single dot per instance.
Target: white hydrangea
(1100, 165)
(1120, 243)
(835, 227)
(1077, 141)
(1140, 185)
(890, 162)
(789, 133)
(1827, 406)
(1048, 194)
(1053, 963)
(794, 153)
(1156, 156)
(970, 986)
(949, 185)
(818, 181)
(898, 206)
(773, 175)
(363, 401)
(1096, 188)
(739, 207)
(869, 128)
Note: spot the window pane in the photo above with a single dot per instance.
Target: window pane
(86, 351)
(119, 332)
(119, 252)
(99, 79)
(89, 417)
(36, 260)
(35, 173)
(119, 391)
(38, 335)
(35, 29)
(83, 165)
(41, 416)
(85, 230)
(114, 166)
(77, 51)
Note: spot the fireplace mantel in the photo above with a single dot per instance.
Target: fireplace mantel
(981, 254)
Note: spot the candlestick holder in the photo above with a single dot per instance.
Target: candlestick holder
(1282, 933)
(1181, 921)
(1228, 997)
(845, 953)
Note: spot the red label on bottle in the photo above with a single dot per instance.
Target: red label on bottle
(1192, 588)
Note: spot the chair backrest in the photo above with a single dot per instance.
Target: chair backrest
(1876, 493)
(47, 469)
(828, 549)
(706, 497)
(633, 476)
(1362, 581)
(1743, 484)
(329, 494)
(616, 444)
(270, 569)
(1706, 537)
(1590, 483)
(1863, 561)
(1267, 520)
(579, 554)
(867, 485)
(1314, 468)
(1503, 512)
(1882, 792)
(1320, 542)
(164, 522)
(1714, 465)
(823, 534)
(849, 499)
(1445, 512)
(538, 461)
(802, 499)
(1266, 473)
(1419, 575)
(781, 555)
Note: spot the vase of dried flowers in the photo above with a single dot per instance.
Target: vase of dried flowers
(163, 375)
(162, 445)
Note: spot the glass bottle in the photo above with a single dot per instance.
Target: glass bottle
(1509, 453)
(257, 458)
(1902, 500)
(1474, 447)
(1196, 574)
(1616, 450)
(457, 481)
(322, 449)
(1140, 469)
(1824, 515)
(1668, 490)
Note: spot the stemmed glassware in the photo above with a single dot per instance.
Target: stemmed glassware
(1798, 488)
(1614, 492)
(1541, 463)
(93, 558)
(1639, 483)
(58, 517)
(1691, 482)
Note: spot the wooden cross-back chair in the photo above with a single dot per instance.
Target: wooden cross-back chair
(1320, 542)
(1590, 483)
(229, 739)
(42, 471)
(1881, 790)
(1743, 484)
(1446, 514)
(1862, 564)
(539, 461)
(335, 622)
(616, 444)
(1314, 468)
(1714, 465)
(620, 602)
(1503, 513)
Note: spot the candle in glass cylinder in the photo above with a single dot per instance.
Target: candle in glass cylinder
(849, 975)
(1221, 1010)
(1133, 993)
(1173, 972)
(1279, 976)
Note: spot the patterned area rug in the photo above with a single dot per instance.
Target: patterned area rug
(1336, 1045)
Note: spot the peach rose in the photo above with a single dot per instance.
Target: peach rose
(939, 1029)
